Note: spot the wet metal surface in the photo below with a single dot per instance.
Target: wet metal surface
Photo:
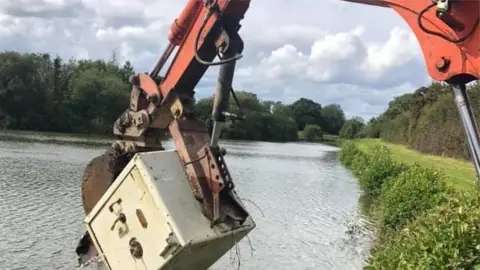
(303, 201)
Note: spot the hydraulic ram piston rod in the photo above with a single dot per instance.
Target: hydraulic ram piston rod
(469, 124)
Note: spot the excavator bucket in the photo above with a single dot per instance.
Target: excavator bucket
(96, 180)
(99, 174)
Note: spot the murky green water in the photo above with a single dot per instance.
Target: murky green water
(308, 202)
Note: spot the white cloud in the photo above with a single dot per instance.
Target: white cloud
(344, 58)
(314, 49)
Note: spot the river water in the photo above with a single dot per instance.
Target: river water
(305, 204)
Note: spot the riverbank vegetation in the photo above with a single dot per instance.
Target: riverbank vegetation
(423, 220)
(418, 183)
(39, 92)
(460, 173)
(426, 120)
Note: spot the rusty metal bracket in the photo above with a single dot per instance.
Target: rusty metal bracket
(218, 179)
(214, 179)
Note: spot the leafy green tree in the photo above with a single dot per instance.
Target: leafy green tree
(306, 111)
(23, 92)
(264, 120)
(352, 128)
(372, 128)
(99, 98)
(285, 125)
(313, 133)
(203, 108)
(398, 105)
(126, 71)
(40, 92)
(333, 118)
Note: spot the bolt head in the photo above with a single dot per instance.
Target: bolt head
(442, 64)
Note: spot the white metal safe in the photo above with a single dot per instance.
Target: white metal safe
(149, 219)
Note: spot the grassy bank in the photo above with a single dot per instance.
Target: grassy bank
(459, 174)
(425, 216)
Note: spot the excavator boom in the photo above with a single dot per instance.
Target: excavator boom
(448, 33)
(204, 30)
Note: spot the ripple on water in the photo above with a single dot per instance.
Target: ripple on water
(303, 201)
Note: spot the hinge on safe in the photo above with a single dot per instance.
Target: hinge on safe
(172, 245)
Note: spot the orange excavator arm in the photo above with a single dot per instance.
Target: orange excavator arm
(448, 32)
(204, 30)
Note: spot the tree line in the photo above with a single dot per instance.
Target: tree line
(426, 120)
(267, 120)
(44, 93)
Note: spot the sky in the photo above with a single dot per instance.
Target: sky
(330, 51)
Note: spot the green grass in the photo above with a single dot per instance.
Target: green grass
(460, 174)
